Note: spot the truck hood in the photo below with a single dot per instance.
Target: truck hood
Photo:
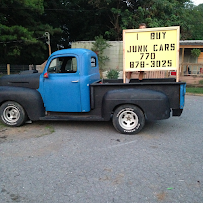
(24, 79)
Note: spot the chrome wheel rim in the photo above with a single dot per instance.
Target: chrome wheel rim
(11, 114)
(128, 120)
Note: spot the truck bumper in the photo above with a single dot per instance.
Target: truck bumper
(177, 112)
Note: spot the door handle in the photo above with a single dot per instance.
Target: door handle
(75, 81)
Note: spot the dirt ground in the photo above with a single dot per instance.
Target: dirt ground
(29, 130)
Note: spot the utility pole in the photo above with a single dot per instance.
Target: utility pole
(47, 35)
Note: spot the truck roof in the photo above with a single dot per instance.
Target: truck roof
(79, 51)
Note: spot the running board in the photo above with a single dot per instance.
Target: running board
(72, 118)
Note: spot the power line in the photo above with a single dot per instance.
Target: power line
(53, 9)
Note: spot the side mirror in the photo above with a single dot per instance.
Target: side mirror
(46, 75)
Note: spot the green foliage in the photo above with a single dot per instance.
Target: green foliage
(21, 32)
(155, 13)
(195, 52)
(1, 125)
(194, 19)
(24, 22)
(98, 47)
(112, 74)
(33, 5)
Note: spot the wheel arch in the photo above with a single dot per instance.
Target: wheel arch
(30, 100)
(153, 104)
(10, 100)
(129, 103)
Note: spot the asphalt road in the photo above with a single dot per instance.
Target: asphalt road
(89, 162)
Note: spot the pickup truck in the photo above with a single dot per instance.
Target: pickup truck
(70, 88)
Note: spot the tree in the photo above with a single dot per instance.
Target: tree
(83, 21)
(130, 13)
(98, 46)
(21, 32)
(194, 22)
(118, 16)
(23, 23)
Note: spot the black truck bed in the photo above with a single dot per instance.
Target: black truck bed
(168, 86)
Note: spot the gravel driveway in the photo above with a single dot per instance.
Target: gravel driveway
(89, 162)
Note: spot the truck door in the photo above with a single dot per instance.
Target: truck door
(61, 92)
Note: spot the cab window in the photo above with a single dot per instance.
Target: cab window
(63, 65)
(93, 62)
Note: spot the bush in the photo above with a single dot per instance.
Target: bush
(112, 74)
(195, 52)
(98, 47)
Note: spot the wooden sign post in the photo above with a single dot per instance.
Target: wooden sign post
(151, 49)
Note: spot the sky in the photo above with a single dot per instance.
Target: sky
(197, 2)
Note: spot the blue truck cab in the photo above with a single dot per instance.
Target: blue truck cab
(70, 88)
(65, 82)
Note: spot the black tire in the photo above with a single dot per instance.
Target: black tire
(128, 119)
(12, 114)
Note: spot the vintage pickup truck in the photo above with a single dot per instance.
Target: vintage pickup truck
(70, 89)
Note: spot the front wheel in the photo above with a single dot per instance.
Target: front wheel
(12, 114)
(128, 119)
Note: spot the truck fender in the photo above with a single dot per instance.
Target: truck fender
(29, 99)
(154, 104)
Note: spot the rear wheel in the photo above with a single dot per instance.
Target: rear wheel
(12, 114)
(128, 119)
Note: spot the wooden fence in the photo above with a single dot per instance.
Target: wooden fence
(152, 74)
(192, 69)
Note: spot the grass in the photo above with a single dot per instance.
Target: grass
(1, 125)
(201, 82)
(50, 128)
(194, 90)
